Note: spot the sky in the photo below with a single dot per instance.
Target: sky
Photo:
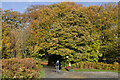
(59, 0)
(21, 5)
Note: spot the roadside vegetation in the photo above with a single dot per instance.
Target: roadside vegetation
(21, 68)
(94, 70)
(46, 33)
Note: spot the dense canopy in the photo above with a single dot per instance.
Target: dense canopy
(65, 29)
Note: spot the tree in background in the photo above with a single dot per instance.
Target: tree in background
(105, 22)
(83, 33)
(13, 34)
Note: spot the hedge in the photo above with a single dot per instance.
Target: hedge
(20, 68)
(93, 65)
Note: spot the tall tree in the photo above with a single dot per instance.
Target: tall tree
(71, 37)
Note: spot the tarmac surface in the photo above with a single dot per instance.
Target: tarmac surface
(51, 73)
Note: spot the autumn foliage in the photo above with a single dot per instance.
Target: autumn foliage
(65, 29)
(20, 68)
(98, 65)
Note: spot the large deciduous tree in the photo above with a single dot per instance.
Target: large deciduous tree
(72, 37)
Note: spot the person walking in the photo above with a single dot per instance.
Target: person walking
(69, 66)
(57, 66)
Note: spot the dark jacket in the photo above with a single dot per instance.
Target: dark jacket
(57, 63)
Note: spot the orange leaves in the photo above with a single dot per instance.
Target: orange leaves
(20, 68)
(8, 45)
(63, 28)
(35, 22)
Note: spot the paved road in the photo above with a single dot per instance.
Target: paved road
(50, 73)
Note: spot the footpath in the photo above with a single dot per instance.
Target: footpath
(51, 73)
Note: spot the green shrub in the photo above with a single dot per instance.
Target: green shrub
(112, 67)
(62, 64)
(81, 65)
(78, 66)
(92, 65)
(97, 65)
(73, 66)
(86, 64)
(116, 64)
(107, 66)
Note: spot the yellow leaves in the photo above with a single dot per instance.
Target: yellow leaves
(40, 55)
(97, 51)
(41, 12)
(36, 49)
(41, 45)
(7, 38)
(35, 22)
(8, 45)
(98, 14)
(100, 54)
(104, 18)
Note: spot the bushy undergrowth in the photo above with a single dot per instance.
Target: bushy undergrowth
(98, 65)
(20, 68)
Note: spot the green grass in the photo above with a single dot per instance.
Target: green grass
(0, 75)
(93, 70)
(42, 73)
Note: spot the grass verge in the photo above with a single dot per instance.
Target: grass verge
(93, 70)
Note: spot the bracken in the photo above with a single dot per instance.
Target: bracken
(15, 68)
